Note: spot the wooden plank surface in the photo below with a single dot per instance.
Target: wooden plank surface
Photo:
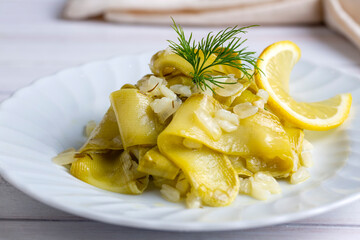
(35, 42)
(56, 230)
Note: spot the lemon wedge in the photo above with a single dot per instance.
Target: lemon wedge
(276, 62)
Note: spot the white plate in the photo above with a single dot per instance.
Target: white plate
(47, 117)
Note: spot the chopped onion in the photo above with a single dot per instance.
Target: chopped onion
(295, 161)
(65, 157)
(189, 143)
(258, 191)
(259, 186)
(170, 193)
(206, 91)
(227, 90)
(300, 176)
(259, 103)
(193, 201)
(182, 184)
(161, 105)
(208, 123)
(226, 125)
(244, 110)
(228, 116)
(90, 126)
(151, 86)
(166, 92)
(306, 159)
(268, 182)
(165, 107)
(227, 120)
(220, 195)
(307, 146)
(244, 186)
(263, 94)
(168, 51)
(182, 90)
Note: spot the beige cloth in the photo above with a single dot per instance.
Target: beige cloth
(341, 15)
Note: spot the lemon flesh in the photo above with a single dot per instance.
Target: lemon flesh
(277, 62)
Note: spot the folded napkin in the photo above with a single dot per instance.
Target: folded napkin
(344, 17)
(341, 15)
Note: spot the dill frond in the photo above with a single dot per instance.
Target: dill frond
(226, 45)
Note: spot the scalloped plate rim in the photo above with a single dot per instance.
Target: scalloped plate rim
(154, 224)
(183, 227)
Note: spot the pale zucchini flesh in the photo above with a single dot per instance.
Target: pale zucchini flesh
(105, 136)
(114, 171)
(136, 121)
(156, 164)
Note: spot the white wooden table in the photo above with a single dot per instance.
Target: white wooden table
(35, 42)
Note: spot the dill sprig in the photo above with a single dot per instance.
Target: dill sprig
(227, 47)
